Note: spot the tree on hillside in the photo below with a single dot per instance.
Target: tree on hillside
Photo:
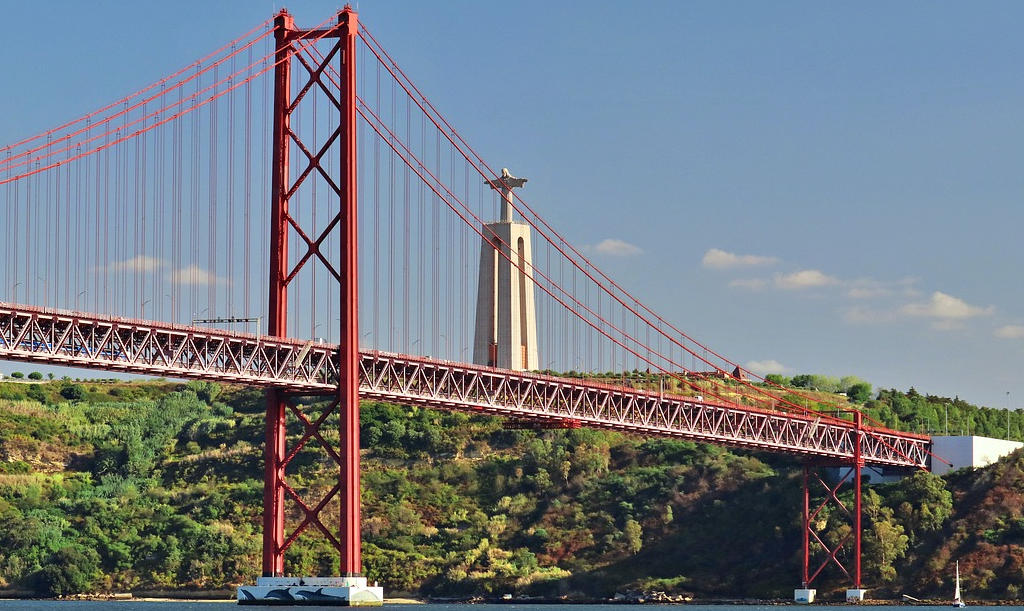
(859, 392)
(801, 381)
(73, 392)
(35, 392)
(634, 536)
(816, 382)
(70, 570)
(922, 503)
(206, 391)
(884, 538)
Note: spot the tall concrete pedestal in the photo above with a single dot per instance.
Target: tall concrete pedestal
(506, 313)
(319, 591)
(804, 596)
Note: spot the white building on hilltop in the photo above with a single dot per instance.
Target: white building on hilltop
(956, 452)
(949, 453)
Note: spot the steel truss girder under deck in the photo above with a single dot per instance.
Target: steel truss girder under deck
(150, 348)
(76, 339)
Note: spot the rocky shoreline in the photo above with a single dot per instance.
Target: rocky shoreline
(627, 598)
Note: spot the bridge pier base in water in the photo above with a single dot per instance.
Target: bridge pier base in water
(856, 595)
(804, 596)
(319, 591)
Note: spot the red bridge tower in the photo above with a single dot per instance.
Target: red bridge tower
(350, 587)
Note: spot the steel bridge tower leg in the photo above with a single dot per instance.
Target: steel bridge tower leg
(805, 594)
(856, 594)
(807, 530)
(277, 323)
(348, 368)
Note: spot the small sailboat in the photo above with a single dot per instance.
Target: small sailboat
(957, 601)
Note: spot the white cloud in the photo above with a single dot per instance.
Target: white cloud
(617, 248)
(945, 311)
(1010, 332)
(867, 292)
(720, 259)
(945, 308)
(860, 315)
(765, 367)
(870, 288)
(138, 263)
(195, 275)
(754, 284)
(803, 279)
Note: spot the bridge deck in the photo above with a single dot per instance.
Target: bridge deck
(58, 337)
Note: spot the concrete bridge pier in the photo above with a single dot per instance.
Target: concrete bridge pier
(319, 591)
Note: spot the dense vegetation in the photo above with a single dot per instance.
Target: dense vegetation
(114, 486)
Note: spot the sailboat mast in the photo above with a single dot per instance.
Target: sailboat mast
(956, 592)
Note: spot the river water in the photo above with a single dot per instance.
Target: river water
(130, 605)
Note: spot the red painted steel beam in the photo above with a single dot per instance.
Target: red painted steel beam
(161, 349)
(518, 424)
(348, 366)
(277, 323)
(806, 580)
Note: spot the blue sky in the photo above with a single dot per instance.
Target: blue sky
(808, 187)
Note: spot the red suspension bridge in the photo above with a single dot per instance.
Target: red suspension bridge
(128, 225)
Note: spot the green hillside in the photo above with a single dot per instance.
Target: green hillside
(117, 486)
